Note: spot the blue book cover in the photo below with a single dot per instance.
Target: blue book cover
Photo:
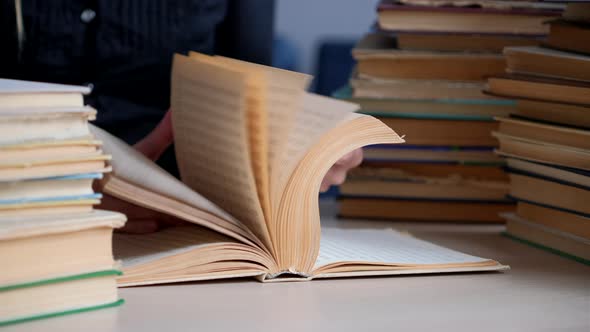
(50, 199)
(95, 176)
(90, 176)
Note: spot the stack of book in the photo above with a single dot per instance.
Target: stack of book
(423, 74)
(55, 249)
(546, 142)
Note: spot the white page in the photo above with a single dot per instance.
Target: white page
(384, 246)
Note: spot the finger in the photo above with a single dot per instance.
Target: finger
(355, 160)
(326, 181)
(351, 159)
(346, 159)
(324, 186)
(335, 176)
(338, 176)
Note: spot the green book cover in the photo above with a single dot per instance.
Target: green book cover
(43, 282)
(548, 249)
(61, 313)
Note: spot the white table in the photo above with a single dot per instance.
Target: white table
(542, 292)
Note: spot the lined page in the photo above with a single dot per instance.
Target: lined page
(386, 247)
(256, 82)
(284, 99)
(319, 116)
(133, 167)
(133, 249)
(211, 138)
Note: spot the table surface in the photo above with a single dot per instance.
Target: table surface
(542, 292)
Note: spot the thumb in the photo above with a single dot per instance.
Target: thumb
(158, 140)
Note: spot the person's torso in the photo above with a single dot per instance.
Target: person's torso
(123, 49)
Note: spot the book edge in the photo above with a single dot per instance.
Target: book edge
(62, 313)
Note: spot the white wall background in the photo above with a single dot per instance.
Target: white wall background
(306, 22)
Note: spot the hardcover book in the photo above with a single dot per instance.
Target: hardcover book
(252, 148)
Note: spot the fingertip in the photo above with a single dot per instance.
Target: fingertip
(339, 177)
(345, 159)
(358, 158)
(324, 186)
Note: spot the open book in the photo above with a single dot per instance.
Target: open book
(252, 149)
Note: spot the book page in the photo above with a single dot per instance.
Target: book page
(133, 167)
(256, 82)
(283, 100)
(285, 90)
(318, 116)
(209, 115)
(133, 249)
(384, 247)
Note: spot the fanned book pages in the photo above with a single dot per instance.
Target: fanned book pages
(252, 149)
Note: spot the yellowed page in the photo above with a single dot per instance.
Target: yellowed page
(297, 226)
(133, 167)
(49, 168)
(317, 116)
(185, 253)
(138, 180)
(38, 160)
(256, 119)
(284, 101)
(134, 250)
(210, 121)
(67, 150)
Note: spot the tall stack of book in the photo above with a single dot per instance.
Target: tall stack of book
(546, 142)
(55, 249)
(423, 73)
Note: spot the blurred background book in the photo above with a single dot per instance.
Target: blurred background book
(423, 71)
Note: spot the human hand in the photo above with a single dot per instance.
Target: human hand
(158, 140)
(141, 220)
(337, 174)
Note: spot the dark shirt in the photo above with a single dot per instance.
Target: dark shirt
(123, 49)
